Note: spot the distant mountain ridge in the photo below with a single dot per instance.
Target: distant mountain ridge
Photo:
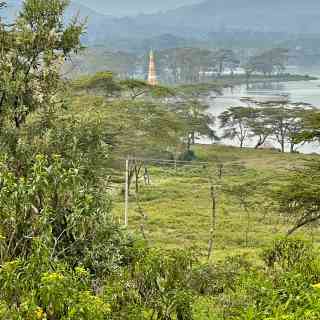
(196, 21)
(292, 16)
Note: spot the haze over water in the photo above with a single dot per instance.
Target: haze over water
(300, 91)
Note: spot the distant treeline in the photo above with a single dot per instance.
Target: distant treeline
(182, 65)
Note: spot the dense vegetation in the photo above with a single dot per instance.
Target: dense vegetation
(190, 65)
(63, 253)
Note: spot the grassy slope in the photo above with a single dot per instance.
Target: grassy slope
(178, 203)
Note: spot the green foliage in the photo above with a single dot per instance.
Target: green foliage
(197, 120)
(268, 62)
(37, 288)
(299, 197)
(63, 257)
(156, 286)
(54, 204)
(138, 88)
(31, 54)
(235, 122)
(281, 120)
(102, 82)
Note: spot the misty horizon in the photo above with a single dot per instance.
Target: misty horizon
(122, 8)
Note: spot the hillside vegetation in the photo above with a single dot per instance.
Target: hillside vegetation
(178, 204)
(220, 233)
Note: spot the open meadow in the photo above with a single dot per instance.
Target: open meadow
(175, 210)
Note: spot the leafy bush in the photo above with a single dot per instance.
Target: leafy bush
(38, 288)
(156, 286)
(71, 218)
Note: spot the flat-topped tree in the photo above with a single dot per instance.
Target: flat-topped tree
(260, 127)
(101, 83)
(31, 53)
(236, 123)
(311, 127)
(197, 121)
(299, 197)
(286, 121)
(139, 88)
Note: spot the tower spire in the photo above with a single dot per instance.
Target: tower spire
(152, 76)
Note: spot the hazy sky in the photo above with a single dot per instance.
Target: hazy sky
(130, 7)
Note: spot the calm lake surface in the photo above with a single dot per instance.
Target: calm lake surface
(301, 91)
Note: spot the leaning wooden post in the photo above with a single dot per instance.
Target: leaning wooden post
(213, 222)
(212, 234)
(126, 201)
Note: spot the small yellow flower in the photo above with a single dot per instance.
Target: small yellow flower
(52, 277)
(82, 272)
(40, 314)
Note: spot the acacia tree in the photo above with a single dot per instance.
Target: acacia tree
(101, 83)
(259, 126)
(31, 53)
(141, 129)
(311, 127)
(236, 123)
(197, 121)
(299, 198)
(139, 88)
(285, 121)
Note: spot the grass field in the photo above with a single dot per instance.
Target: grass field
(178, 203)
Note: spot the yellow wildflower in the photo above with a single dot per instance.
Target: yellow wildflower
(316, 286)
(40, 314)
(82, 272)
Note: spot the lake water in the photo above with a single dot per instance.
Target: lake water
(302, 91)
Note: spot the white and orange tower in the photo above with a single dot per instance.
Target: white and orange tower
(152, 75)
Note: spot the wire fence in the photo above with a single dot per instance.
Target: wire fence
(207, 206)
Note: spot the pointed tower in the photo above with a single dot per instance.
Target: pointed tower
(152, 76)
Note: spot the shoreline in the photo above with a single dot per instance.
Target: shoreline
(226, 82)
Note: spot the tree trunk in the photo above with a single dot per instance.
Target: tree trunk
(189, 144)
(302, 223)
(292, 147)
(260, 142)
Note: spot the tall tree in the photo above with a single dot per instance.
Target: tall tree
(184, 65)
(259, 126)
(31, 52)
(299, 197)
(197, 121)
(286, 121)
(267, 63)
(225, 57)
(311, 127)
(236, 123)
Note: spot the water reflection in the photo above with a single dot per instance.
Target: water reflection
(302, 91)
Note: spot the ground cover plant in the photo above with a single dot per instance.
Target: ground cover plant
(220, 233)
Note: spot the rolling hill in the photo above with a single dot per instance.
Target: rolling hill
(198, 21)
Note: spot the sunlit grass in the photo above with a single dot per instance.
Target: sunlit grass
(178, 205)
